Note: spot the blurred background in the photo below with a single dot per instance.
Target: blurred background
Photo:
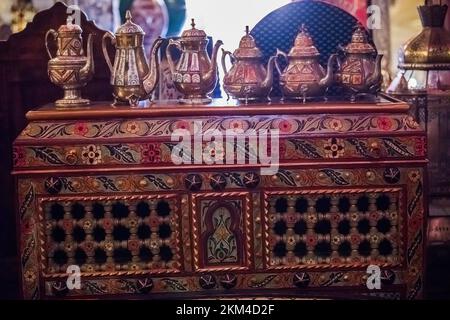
(221, 19)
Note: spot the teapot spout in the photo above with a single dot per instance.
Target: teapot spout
(151, 78)
(211, 76)
(376, 78)
(268, 81)
(329, 77)
(87, 71)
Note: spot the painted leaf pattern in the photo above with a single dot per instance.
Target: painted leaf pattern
(336, 177)
(108, 184)
(306, 148)
(285, 176)
(394, 147)
(47, 155)
(121, 152)
(157, 182)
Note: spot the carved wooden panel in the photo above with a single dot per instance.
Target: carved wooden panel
(334, 228)
(222, 233)
(110, 235)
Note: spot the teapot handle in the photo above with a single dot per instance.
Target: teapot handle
(54, 34)
(224, 55)
(279, 53)
(105, 51)
(172, 43)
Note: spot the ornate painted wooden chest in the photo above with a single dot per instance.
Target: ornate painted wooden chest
(97, 188)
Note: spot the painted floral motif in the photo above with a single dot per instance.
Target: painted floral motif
(109, 245)
(91, 154)
(133, 245)
(108, 224)
(236, 125)
(132, 127)
(334, 124)
(334, 148)
(154, 222)
(88, 246)
(311, 240)
(374, 216)
(414, 176)
(68, 225)
(291, 241)
(183, 125)
(285, 126)
(164, 127)
(29, 276)
(150, 153)
(291, 218)
(222, 246)
(355, 239)
(384, 123)
(80, 129)
(336, 239)
(87, 224)
(214, 152)
(19, 157)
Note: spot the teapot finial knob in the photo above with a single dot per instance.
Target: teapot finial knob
(128, 15)
(303, 28)
(247, 30)
(193, 23)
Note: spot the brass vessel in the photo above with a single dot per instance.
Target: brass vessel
(360, 67)
(429, 50)
(132, 78)
(247, 79)
(70, 69)
(304, 77)
(194, 74)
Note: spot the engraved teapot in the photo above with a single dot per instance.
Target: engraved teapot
(360, 68)
(194, 74)
(247, 79)
(70, 69)
(132, 78)
(304, 77)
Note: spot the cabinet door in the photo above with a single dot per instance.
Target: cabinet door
(339, 228)
(221, 231)
(110, 234)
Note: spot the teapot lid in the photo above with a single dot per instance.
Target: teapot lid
(129, 27)
(193, 33)
(303, 45)
(247, 47)
(359, 43)
(70, 27)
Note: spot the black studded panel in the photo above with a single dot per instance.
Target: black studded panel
(111, 234)
(350, 228)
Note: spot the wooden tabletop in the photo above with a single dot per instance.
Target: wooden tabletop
(218, 107)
